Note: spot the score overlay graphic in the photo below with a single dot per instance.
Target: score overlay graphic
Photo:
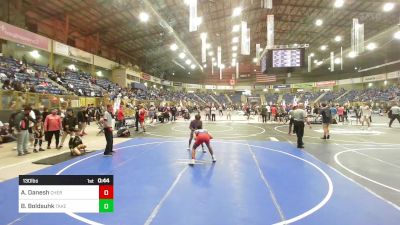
(66, 193)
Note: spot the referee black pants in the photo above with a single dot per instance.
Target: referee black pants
(264, 118)
(299, 127)
(393, 118)
(109, 138)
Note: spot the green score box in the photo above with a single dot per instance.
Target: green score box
(106, 205)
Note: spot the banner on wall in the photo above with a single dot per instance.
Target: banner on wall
(21, 36)
(374, 78)
(193, 86)
(303, 85)
(393, 75)
(345, 81)
(177, 84)
(155, 80)
(65, 50)
(80, 55)
(60, 48)
(166, 83)
(281, 86)
(356, 80)
(325, 83)
(223, 87)
(145, 76)
(210, 87)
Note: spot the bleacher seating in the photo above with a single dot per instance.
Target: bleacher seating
(27, 78)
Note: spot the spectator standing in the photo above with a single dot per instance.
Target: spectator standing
(273, 112)
(264, 114)
(38, 132)
(120, 117)
(173, 113)
(394, 114)
(69, 125)
(22, 125)
(366, 114)
(82, 120)
(326, 119)
(333, 114)
(268, 112)
(229, 113)
(52, 125)
(221, 113)
(340, 112)
(213, 113)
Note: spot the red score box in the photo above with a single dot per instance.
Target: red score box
(106, 191)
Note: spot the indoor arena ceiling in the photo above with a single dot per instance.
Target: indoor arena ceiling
(148, 43)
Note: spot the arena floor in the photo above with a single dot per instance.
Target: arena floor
(259, 178)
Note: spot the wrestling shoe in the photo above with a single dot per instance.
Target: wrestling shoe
(192, 162)
(214, 159)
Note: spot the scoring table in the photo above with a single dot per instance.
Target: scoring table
(66, 193)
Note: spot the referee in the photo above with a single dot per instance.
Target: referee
(108, 130)
(299, 117)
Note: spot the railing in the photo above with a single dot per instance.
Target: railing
(13, 100)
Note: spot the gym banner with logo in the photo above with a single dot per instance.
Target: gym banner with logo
(329, 83)
(21, 36)
(303, 85)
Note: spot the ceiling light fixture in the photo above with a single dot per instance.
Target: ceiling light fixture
(210, 53)
(319, 22)
(234, 48)
(235, 40)
(397, 35)
(338, 38)
(311, 54)
(188, 61)
(236, 28)
(323, 47)
(208, 46)
(193, 66)
(182, 55)
(371, 46)
(352, 55)
(255, 60)
(237, 11)
(205, 66)
(234, 55)
(173, 47)
(389, 6)
(199, 21)
(144, 17)
(338, 61)
(339, 3)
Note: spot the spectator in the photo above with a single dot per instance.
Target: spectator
(22, 125)
(52, 125)
(213, 113)
(69, 125)
(38, 133)
(120, 117)
(82, 120)
(5, 134)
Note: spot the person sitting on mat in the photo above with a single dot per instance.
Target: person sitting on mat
(76, 145)
(202, 136)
